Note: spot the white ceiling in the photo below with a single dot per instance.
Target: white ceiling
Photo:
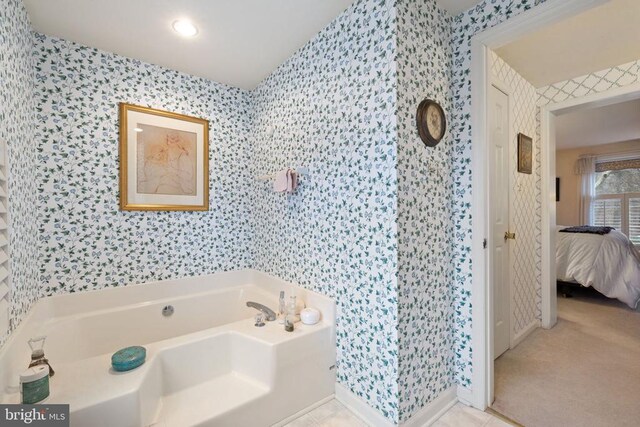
(240, 42)
(599, 38)
(595, 126)
(454, 7)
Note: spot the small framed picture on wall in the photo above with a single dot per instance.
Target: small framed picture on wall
(525, 154)
(164, 160)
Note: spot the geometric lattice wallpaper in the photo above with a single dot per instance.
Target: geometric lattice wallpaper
(600, 81)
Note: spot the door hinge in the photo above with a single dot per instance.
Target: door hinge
(484, 244)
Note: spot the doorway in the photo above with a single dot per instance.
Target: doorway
(595, 345)
(488, 253)
(485, 266)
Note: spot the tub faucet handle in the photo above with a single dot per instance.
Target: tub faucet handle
(259, 319)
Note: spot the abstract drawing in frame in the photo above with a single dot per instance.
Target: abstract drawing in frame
(164, 160)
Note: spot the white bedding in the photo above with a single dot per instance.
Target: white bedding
(608, 263)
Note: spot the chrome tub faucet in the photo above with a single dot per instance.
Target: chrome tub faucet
(269, 314)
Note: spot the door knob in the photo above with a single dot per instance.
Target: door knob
(509, 236)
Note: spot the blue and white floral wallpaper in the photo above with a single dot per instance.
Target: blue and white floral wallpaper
(85, 240)
(380, 223)
(17, 108)
(425, 197)
(331, 108)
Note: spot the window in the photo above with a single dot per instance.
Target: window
(617, 201)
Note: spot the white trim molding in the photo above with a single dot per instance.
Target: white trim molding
(361, 408)
(303, 412)
(465, 395)
(425, 417)
(548, 291)
(524, 333)
(434, 410)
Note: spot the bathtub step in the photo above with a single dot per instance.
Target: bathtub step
(206, 401)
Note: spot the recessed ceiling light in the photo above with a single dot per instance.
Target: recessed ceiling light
(185, 28)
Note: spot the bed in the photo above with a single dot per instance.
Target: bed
(609, 263)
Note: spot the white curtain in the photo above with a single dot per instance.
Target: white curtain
(586, 168)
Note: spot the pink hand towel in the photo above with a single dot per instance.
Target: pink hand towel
(280, 182)
(292, 182)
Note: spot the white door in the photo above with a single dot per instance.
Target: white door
(499, 198)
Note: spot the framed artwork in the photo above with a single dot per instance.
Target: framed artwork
(525, 153)
(557, 189)
(164, 160)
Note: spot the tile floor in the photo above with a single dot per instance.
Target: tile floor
(465, 416)
(331, 414)
(335, 414)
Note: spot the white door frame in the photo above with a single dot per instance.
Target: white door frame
(481, 298)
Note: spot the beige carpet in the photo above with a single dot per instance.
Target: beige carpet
(583, 372)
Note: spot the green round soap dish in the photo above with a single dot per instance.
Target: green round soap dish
(128, 358)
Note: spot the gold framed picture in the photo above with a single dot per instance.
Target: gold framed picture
(164, 160)
(525, 153)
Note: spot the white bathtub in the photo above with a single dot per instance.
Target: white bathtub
(207, 364)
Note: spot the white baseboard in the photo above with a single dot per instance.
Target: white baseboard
(434, 410)
(465, 395)
(361, 408)
(304, 411)
(425, 417)
(520, 336)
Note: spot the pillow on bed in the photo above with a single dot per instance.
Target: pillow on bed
(588, 229)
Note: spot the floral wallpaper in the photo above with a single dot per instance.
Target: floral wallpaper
(380, 223)
(85, 240)
(331, 108)
(16, 129)
(425, 198)
(485, 14)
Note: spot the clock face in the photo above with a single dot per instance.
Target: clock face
(434, 121)
(431, 122)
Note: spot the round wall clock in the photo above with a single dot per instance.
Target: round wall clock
(431, 122)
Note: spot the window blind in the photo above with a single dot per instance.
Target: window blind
(608, 212)
(634, 220)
